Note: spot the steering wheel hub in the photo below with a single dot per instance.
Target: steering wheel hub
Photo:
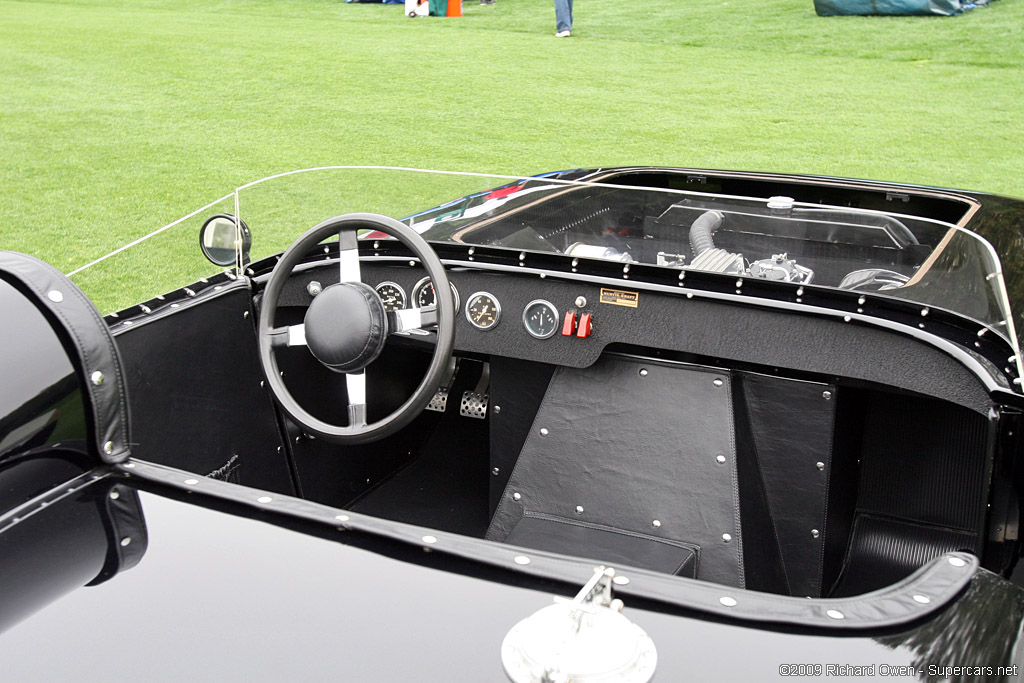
(346, 326)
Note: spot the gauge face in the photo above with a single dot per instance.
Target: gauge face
(540, 318)
(392, 295)
(423, 293)
(483, 311)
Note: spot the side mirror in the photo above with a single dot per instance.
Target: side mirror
(217, 239)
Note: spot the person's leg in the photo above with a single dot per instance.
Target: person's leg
(563, 15)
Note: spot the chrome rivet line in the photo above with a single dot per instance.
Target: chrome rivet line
(727, 601)
(957, 562)
(264, 499)
(835, 614)
(924, 311)
(97, 378)
(191, 482)
(429, 539)
(799, 291)
(146, 309)
(846, 318)
(517, 496)
(923, 599)
(861, 301)
(55, 295)
(521, 559)
(720, 459)
(726, 538)
(126, 541)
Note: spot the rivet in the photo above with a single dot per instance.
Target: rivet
(656, 523)
(497, 409)
(127, 323)
(720, 459)
(689, 295)
(575, 262)
(472, 250)
(543, 275)
(430, 539)
(521, 559)
(621, 580)
(264, 499)
(835, 614)
(957, 562)
(923, 599)
(495, 471)
(643, 372)
(97, 378)
(727, 601)
(846, 318)
(924, 311)
(860, 301)
(815, 533)
(126, 541)
(543, 431)
(342, 518)
(191, 482)
(522, 256)
(827, 395)
(581, 301)
(820, 465)
(412, 263)
(718, 382)
(579, 509)
(55, 296)
(114, 495)
(726, 538)
(108, 447)
(517, 496)
(739, 283)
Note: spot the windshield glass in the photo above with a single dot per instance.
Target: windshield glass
(596, 215)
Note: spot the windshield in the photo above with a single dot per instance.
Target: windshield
(596, 215)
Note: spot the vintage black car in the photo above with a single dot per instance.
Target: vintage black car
(738, 425)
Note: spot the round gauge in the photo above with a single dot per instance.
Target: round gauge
(392, 295)
(540, 318)
(423, 293)
(483, 311)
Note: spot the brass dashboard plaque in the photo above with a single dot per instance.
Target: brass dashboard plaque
(619, 297)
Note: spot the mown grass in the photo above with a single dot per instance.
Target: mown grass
(116, 116)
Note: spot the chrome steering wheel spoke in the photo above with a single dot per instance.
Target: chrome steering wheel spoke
(348, 256)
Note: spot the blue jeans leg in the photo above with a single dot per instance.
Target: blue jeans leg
(563, 15)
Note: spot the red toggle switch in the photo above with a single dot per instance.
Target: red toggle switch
(584, 329)
(569, 326)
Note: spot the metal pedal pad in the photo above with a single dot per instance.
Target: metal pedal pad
(474, 403)
(439, 403)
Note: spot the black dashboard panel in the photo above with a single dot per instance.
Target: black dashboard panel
(718, 331)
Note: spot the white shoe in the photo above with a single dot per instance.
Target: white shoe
(563, 34)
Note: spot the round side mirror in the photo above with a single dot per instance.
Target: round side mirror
(217, 240)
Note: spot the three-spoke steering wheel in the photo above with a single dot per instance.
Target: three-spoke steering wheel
(346, 327)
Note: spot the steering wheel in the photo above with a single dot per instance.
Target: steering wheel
(346, 327)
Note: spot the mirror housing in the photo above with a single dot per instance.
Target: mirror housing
(217, 239)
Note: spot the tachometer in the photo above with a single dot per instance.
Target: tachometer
(423, 293)
(540, 318)
(392, 295)
(483, 310)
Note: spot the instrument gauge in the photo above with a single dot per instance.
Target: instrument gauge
(540, 318)
(423, 293)
(392, 295)
(483, 310)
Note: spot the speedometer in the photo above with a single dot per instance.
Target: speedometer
(423, 293)
(392, 295)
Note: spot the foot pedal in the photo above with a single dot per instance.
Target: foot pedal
(474, 403)
(439, 403)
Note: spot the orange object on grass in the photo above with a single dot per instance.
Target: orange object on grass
(454, 8)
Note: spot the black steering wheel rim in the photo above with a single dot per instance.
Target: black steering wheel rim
(414, 405)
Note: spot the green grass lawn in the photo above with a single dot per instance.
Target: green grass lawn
(117, 116)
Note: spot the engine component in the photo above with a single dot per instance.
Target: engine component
(583, 250)
(702, 230)
(873, 280)
(719, 261)
(781, 269)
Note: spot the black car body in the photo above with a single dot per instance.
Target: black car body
(784, 410)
